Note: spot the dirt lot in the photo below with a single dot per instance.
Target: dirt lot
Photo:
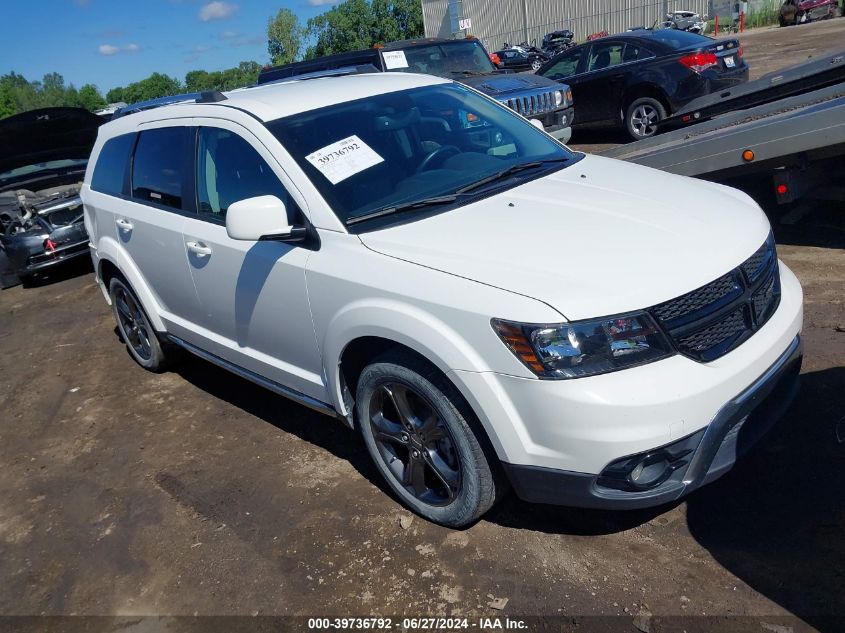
(195, 492)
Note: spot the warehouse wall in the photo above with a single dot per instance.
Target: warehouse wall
(499, 21)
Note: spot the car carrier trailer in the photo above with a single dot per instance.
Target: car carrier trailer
(784, 132)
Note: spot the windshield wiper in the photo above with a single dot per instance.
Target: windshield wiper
(401, 208)
(510, 171)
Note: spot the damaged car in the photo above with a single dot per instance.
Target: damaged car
(45, 153)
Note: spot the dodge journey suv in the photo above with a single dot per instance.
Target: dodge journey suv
(488, 308)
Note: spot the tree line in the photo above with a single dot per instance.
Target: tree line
(349, 25)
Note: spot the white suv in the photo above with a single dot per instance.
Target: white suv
(487, 307)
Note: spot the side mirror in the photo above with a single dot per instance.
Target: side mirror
(261, 218)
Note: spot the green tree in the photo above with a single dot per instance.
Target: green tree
(356, 24)
(90, 98)
(53, 91)
(347, 26)
(397, 20)
(284, 37)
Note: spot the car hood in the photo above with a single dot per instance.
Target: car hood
(47, 134)
(508, 83)
(598, 238)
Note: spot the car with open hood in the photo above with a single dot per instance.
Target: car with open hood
(486, 307)
(45, 153)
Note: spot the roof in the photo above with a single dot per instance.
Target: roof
(421, 41)
(279, 99)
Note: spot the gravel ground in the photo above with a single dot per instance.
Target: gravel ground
(194, 492)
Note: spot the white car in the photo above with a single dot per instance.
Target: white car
(487, 307)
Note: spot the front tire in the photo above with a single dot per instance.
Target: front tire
(419, 433)
(536, 64)
(135, 328)
(642, 117)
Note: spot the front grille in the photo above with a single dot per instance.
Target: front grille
(533, 105)
(710, 321)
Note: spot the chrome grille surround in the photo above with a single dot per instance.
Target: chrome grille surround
(710, 321)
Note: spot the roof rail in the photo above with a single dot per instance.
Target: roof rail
(343, 71)
(211, 96)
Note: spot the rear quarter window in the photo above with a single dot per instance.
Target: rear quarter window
(112, 164)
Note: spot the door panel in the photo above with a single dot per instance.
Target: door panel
(601, 85)
(149, 226)
(253, 305)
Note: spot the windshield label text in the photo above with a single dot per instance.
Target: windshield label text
(343, 159)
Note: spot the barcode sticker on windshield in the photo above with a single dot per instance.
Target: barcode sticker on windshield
(343, 159)
(394, 59)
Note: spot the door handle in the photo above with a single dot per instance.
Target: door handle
(198, 248)
(124, 225)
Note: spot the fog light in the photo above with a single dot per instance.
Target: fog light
(648, 470)
(652, 471)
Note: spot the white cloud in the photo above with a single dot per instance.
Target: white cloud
(217, 11)
(109, 49)
(228, 35)
(320, 3)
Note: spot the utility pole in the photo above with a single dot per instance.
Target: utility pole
(525, 20)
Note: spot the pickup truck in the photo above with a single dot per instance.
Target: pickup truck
(462, 60)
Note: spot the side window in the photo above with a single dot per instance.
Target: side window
(158, 168)
(110, 170)
(605, 56)
(566, 66)
(229, 169)
(634, 52)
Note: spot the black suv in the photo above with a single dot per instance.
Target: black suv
(463, 60)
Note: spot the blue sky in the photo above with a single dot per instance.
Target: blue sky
(115, 42)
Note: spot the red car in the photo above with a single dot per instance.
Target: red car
(800, 11)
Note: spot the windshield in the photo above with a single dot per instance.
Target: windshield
(446, 59)
(28, 170)
(403, 147)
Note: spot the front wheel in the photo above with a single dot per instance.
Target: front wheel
(536, 64)
(135, 328)
(417, 430)
(642, 117)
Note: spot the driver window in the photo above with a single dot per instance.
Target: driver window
(566, 66)
(228, 170)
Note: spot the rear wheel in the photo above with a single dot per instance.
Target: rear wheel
(135, 328)
(642, 117)
(415, 429)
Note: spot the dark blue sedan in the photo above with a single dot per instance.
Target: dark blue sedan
(636, 79)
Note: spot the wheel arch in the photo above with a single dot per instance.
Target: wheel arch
(110, 264)
(645, 90)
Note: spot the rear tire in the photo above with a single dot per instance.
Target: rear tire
(642, 117)
(419, 433)
(135, 328)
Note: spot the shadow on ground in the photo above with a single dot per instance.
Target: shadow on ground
(776, 521)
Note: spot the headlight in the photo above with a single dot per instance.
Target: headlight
(585, 348)
(558, 97)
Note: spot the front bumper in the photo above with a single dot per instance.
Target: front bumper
(558, 123)
(737, 426)
(578, 428)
